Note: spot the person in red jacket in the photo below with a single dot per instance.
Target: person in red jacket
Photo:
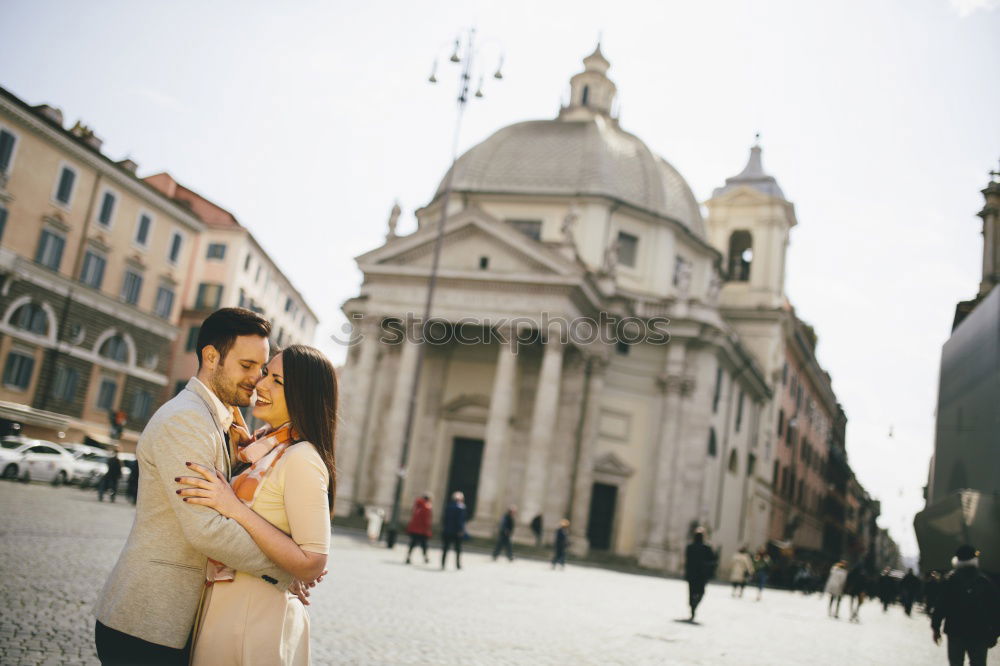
(419, 527)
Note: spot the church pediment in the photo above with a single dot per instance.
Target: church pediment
(473, 242)
(612, 465)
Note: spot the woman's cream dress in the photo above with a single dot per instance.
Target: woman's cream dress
(250, 622)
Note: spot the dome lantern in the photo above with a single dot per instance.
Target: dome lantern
(591, 91)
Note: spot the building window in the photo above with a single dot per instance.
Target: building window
(774, 475)
(64, 189)
(739, 412)
(31, 317)
(781, 422)
(243, 298)
(628, 246)
(141, 402)
(164, 302)
(246, 263)
(64, 384)
(585, 96)
(107, 210)
(114, 348)
(106, 394)
(784, 374)
(192, 339)
(3, 221)
(734, 462)
(142, 230)
(289, 304)
(50, 249)
(175, 248)
(7, 143)
(18, 370)
(718, 389)
(622, 347)
(131, 287)
(484, 263)
(713, 445)
(530, 228)
(740, 256)
(751, 464)
(92, 273)
(209, 295)
(216, 251)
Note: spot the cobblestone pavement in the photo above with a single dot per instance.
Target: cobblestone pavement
(58, 544)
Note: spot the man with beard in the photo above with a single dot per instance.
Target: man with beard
(147, 609)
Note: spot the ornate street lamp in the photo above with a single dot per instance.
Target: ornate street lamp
(466, 58)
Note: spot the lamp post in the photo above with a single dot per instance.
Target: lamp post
(466, 59)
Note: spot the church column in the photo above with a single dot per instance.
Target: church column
(497, 434)
(388, 464)
(543, 422)
(673, 384)
(356, 384)
(583, 484)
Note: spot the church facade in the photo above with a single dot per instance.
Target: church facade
(600, 350)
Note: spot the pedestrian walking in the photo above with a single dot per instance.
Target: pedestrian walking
(835, 587)
(109, 482)
(375, 517)
(740, 567)
(856, 587)
(561, 543)
(969, 608)
(761, 571)
(504, 533)
(132, 490)
(699, 563)
(910, 591)
(454, 528)
(886, 589)
(932, 591)
(419, 527)
(536, 529)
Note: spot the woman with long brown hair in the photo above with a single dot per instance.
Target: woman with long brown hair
(283, 497)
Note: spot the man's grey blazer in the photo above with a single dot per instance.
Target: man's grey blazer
(154, 589)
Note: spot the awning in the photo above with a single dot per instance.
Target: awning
(15, 411)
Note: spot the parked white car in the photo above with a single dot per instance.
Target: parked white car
(37, 460)
(89, 464)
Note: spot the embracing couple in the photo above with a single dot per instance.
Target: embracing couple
(231, 527)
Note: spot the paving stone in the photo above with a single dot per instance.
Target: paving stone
(57, 546)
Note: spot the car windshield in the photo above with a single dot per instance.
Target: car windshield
(10, 443)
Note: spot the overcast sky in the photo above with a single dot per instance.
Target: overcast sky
(306, 120)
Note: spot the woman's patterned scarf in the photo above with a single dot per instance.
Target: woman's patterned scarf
(261, 451)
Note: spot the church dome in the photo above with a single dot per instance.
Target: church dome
(582, 152)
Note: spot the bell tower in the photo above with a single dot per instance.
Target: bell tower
(749, 222)
(991, 235)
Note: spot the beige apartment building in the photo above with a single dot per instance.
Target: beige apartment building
(104, 279)
(92, 265)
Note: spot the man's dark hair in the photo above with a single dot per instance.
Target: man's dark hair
(221, 328)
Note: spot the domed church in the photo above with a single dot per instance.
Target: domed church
(638, 400)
